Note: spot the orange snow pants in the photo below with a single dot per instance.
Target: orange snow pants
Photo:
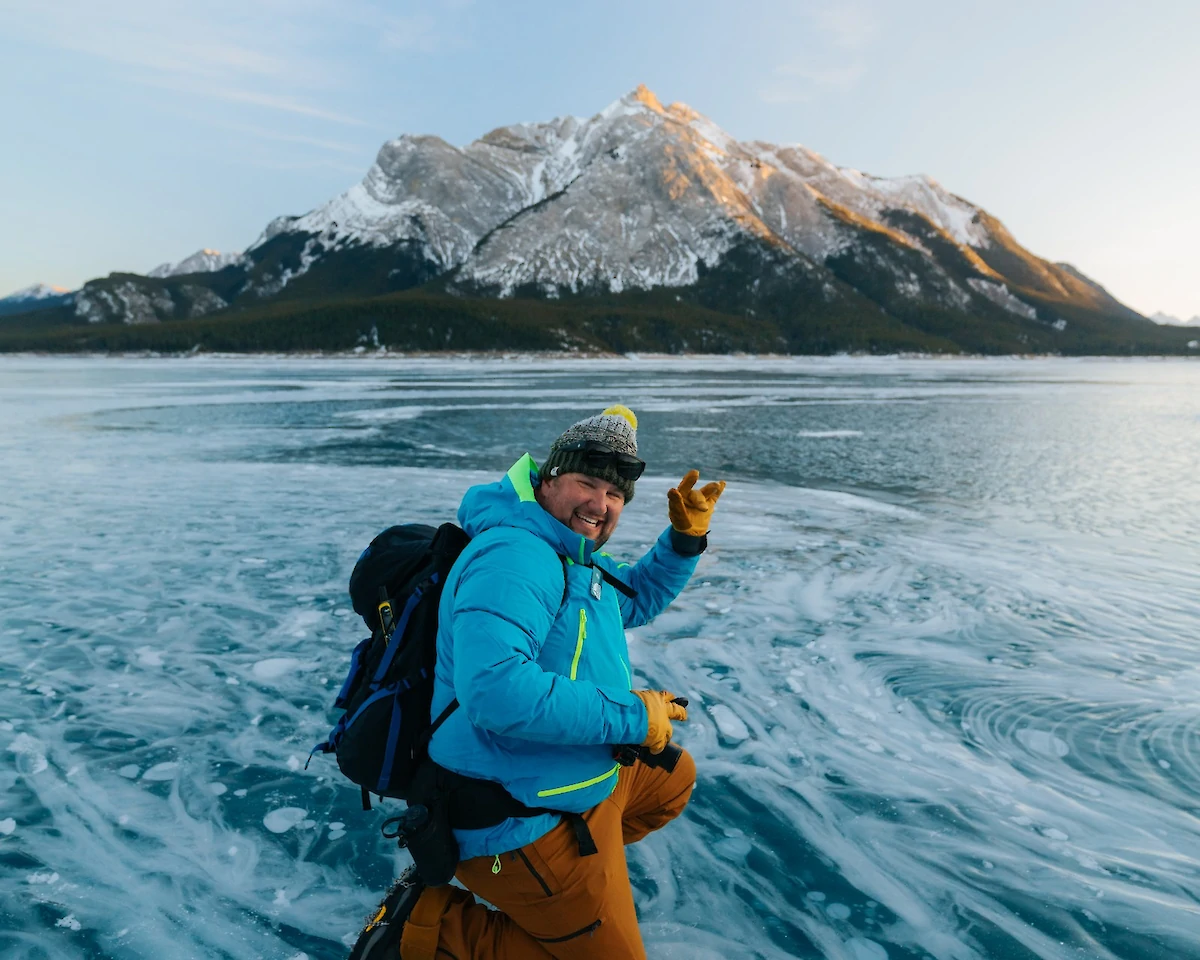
(552, 902)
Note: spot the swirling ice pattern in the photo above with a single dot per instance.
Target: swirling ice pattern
(940, 652)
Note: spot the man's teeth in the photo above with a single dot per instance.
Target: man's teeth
(588, 520)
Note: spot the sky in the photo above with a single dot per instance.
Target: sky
(138, 131)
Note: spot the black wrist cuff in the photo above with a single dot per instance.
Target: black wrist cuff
(688, 546)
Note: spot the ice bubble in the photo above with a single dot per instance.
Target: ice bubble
(49, 878)
(283, 819)
(828, 434)
(729, 723)
(149, 656)
(162, 771)
(1039, 741)
(815, 895)
(130, 771)
(30, 754)
(293, 762)
(123, 819)
(1165, 764)
(7, 826)
(218, 789)
(1054, 834)
(240, 793)
(254, 561)
(281, 898)
(839, 911)
(337, 825)
(232, 681)
(733, 848)
(69, 922)
(863, 949)
(275, 667)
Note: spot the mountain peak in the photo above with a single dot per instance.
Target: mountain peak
(643, 94)
(205, 260)
(37, 291)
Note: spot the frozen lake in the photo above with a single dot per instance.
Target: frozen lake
(942, 652)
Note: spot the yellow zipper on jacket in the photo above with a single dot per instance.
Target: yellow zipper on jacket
(579, 641)
(556, 791)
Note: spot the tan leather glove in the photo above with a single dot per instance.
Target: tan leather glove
(661, 712)
(691, 510)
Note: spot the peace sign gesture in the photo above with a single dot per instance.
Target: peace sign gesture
(691, 509)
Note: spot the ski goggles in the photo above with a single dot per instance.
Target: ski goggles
(600, 456)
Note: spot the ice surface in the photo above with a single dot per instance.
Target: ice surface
(1040, 741)
(729, 723)
(861, 948)
(943, 677)
(274, 668)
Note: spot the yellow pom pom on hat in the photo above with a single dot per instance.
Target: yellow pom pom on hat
(616, 427)
(620, 410)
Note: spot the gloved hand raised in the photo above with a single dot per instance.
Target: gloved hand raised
(691, 510)
(661, 711)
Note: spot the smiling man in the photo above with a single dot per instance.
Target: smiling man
(531, 645)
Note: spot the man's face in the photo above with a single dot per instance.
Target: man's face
(588, 505)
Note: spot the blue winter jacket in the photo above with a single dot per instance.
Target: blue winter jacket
(534, 649)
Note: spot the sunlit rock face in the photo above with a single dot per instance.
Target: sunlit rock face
(643, 195)
(638, 197)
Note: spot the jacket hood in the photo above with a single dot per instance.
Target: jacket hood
(510, 502)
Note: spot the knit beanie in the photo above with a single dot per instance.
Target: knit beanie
(616, 426)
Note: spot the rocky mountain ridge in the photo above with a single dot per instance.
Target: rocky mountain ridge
(639, 200)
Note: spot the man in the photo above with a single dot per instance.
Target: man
(531, 642)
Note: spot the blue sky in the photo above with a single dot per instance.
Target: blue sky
(137, 131)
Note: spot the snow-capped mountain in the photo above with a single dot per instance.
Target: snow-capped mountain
(39, 291)
(639, 197)
(202, 261)
(39, 296)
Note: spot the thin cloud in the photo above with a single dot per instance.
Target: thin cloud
(803, 83)
(335, 146)
(285, 104)
(848, 26)
(222, 50)
(842, 37)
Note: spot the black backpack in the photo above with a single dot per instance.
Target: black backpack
(396, 586)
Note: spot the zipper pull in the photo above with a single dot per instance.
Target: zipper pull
(496, 864)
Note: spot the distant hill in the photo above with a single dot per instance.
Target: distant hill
(1175, 321)
(643, 227)
(40, 296)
